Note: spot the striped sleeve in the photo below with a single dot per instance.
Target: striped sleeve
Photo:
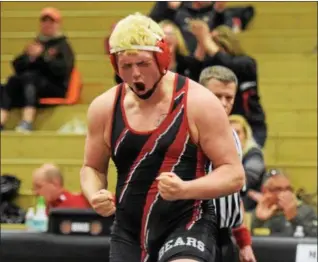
(240, 153)
(238, 145)
(228, 208)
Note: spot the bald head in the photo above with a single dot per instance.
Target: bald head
(47, 181)
(50, 173)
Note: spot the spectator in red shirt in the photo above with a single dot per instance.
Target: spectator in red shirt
(48, 182)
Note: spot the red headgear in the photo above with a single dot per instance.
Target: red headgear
(161, 53)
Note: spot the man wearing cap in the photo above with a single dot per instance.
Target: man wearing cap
(42, 70)
(279, 210)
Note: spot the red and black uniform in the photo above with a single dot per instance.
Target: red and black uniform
(148, 228)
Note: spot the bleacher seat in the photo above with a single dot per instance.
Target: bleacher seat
(73, 93)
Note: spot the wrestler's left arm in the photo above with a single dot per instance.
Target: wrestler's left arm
(210, 128)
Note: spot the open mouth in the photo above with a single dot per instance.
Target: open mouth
(140, 86)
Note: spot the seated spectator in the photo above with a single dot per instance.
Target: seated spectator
(41, 71)
(253, 159)
(48, 182)
(182, 12)
(279, 210)
(223, 48)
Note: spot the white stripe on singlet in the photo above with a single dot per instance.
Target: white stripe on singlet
(228, 208)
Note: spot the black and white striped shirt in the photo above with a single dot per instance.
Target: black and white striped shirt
(228, 208)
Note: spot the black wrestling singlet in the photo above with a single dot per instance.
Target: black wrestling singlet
(141, 157)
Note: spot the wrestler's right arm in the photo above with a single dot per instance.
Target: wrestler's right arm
(93, 176)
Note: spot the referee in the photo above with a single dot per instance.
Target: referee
(229, 210)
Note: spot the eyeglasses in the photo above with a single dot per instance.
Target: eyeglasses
(281, 189)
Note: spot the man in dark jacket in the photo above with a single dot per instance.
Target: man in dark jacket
(42, 70)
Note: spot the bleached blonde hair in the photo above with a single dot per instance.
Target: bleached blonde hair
(135, 31)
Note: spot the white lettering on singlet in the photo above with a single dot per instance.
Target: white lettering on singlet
(181, 241)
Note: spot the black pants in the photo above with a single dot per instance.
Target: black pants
(229, 250)
(27, 88)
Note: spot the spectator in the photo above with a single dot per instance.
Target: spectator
(182, 12)
(42, 70)
(222, 47)
(177, 47)
(48, 182)
(279, 210)
(253, 159)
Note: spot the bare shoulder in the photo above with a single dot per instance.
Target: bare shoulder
(100, 114)
(99, 117)
(203, 111)
(202, 101)
(102, 106)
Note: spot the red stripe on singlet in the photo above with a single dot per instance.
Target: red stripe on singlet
(199, 173)
(176, 148)
(151, 140)
(125, 130)
(148, 147)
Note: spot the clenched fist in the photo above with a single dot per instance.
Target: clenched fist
(103, 203)
(171, 187)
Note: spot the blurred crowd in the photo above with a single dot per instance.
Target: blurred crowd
(200, 35)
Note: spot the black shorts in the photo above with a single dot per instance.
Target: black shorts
(198, 243)
(229, 250)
